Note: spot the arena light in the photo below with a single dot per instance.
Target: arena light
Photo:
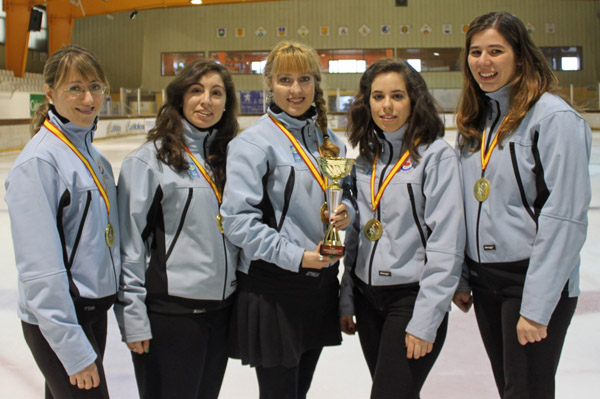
(196, 1)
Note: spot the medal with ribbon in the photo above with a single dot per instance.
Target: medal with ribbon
(373, 228)
(300, 150)
(109, 232)
(213, 185)
(481, 189)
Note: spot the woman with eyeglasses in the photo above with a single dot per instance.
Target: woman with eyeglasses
(178, 274)
(62, 203)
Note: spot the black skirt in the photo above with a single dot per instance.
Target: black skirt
(274, 324)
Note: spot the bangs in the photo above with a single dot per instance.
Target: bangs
(82, 66)
(293, 60)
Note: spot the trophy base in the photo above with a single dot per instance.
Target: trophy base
(332, 250)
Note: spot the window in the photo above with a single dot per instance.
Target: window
(241, 62)
(351, 60)
(431, 59)
(563, 58)
(173, 63)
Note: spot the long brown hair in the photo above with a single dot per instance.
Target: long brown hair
(167, 134)
(424, 121)
(533, 77)
(69, 58)
(288, 56)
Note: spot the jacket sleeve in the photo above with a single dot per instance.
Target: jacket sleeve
(444, 217)
(564, 147)
(347, 285)
(247, 165)
(351, 243)
(33, 193)
(137, 192)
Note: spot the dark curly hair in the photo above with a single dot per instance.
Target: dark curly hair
(167, 134)
(424, 121)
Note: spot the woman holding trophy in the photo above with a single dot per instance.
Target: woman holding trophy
(273, 209)
(404, 250)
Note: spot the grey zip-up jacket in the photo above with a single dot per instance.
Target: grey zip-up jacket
(175, 260)
(262, 164)
(423, 230)
(58, 219)
(538, 202)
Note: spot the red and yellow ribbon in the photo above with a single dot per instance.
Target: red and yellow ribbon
(56, 131)
(322, 182)
(205, 174)
(376, 197)
(485, 157)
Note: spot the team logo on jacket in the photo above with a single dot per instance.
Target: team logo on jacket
(193, 171)
(297, 157)
(406, 166)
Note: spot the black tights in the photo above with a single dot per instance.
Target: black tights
(288, 383)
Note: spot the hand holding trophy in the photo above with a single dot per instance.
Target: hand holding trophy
(334, 168)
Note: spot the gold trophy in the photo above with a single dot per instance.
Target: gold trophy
(334, 169)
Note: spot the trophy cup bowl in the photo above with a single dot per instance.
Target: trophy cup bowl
(335, 169)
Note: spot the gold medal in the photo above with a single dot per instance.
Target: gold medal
(373, 229)
(481, 190)
(109, 235)
(220, 223)
(323, 217)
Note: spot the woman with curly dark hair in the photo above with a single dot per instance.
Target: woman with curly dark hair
(405, 248)
(179, 270)
(524, 155)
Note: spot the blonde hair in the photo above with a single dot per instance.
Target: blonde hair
(69, 58)
(294, 57)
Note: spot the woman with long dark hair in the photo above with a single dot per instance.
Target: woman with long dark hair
(524, 155)
(405, 248)
(179, 270)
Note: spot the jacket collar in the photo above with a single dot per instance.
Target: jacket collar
(501, 98)
(291, 122)
(195, 138)
(78, 135)
(395, 137)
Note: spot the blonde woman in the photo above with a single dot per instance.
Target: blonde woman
(287, 305)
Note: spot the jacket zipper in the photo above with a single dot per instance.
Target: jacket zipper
(492, 127)
(302, 131)
(381, 177)
(112, 260)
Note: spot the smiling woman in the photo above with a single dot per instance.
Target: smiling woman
(179, 273)
(61, 194)
(286, 308)
(524, 152)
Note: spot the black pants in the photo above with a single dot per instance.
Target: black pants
(58, 385)
(187, 356)
(288, 382)
(528, 371)
(382, 331)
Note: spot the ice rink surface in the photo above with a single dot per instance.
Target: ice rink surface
(462, 370)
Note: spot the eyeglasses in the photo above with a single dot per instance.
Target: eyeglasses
(95, 90)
